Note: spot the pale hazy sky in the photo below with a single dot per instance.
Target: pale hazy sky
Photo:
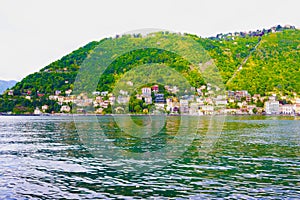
(34, 33)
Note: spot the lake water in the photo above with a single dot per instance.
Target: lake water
(97, 158)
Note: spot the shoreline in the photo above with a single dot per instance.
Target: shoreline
(99, 115)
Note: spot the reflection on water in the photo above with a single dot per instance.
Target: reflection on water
(49, 158)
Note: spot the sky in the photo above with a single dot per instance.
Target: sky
(34, 33)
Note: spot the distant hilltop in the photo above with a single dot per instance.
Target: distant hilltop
(256, 33)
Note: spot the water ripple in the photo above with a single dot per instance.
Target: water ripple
(43, 158)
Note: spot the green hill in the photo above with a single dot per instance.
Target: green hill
(273, 66)
(259, 62)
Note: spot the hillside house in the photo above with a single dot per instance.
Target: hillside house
(57, 92)
(65, 108)
(10, 93)
(146, 91)
(155, 88)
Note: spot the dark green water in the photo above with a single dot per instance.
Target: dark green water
(56, 158)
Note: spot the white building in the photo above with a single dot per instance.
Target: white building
(146, 91)
(272, 98)
(159, 106)
(148, 100)
(184, 106)
(174, 89)
(96, 93)
(37, 111)
(53, 97)
(10, 93)
(112, 100)
(287, 109)
(250, 108)
(207, 109)
(57, 92)
(272, 107)
(200, 101)
(99, 111)
(68, 92)
(169, 102)
(123, 92)
(123, 99)
(194, 109)
(105, 104)
(138, 96)
(65, 108)
(129, 83)
(60, 99)
(45, 107)
(220, 102)
(98, 99)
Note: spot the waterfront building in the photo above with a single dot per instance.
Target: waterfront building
(287, 109)
(272, 107)
(37, 111)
